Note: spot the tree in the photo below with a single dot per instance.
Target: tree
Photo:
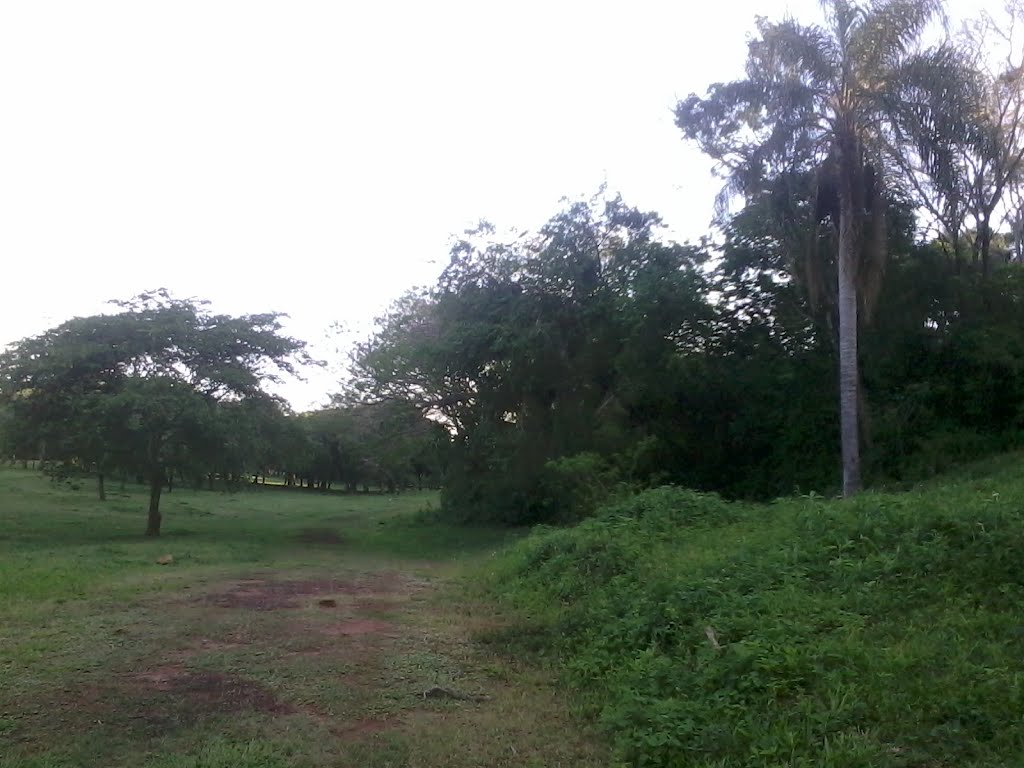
(142, 388)
(257, 436)
(536, 348)
(958, 135)
(8, 444)
(816, 100)
(993, 162)
(389, 444)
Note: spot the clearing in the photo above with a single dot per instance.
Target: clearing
(291, 629)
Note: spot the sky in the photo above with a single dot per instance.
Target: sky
(316, 158)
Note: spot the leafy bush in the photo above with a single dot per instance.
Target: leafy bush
(669, 507)
(573, 487)
(880, 632)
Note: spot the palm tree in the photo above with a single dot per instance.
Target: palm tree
(816, 100)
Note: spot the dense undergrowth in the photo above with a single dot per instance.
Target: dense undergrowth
(885, 631)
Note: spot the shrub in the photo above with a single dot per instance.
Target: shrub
(573, 487)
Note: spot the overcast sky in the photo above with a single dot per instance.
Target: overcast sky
(315, 157)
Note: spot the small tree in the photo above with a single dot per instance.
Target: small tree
(141, 388)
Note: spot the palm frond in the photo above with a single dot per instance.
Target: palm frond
(842, 18)
(888, 32)
(936, 102)
(788, 51)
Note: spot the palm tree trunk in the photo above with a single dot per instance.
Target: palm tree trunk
(849, 379)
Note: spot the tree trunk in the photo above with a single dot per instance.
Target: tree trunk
(156, 487)
(101, 486)
(985, 241)
(849, 399)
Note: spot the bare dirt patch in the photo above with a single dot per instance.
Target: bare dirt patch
(361, 729)
(143, 705)
(375, 605)
(269, 595)
(212, 692)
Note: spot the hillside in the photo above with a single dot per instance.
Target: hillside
(884, 631)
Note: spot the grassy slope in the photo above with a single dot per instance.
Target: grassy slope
(883, 632)
(226, 657)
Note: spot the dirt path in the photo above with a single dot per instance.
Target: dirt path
(373, 667)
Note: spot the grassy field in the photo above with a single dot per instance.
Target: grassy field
(291, 629)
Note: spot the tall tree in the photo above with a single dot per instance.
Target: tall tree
(995, 160)
(815, 100)
(959, 134)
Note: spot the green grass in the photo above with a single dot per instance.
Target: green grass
(884, 632)
(292, 629)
